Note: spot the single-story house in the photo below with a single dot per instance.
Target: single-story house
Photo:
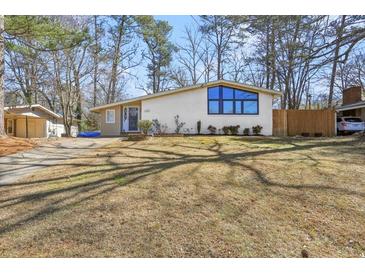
(353, 103)
(34, 121)
(219, 103)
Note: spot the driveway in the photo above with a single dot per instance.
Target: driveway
(14, 167)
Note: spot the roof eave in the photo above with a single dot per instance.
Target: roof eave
(169, 92)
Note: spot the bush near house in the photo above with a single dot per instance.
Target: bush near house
(212, 129)
(145, 126)
(230, 130)
(257, 130)
(199, 126)
(179, 125)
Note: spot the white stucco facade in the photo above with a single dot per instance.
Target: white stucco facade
(192, 106)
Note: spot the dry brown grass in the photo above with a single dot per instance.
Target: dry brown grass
(10, 145)
(193, 197)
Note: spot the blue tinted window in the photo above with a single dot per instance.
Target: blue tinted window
(238, 107)
(227, 106)
(213, 93)
(240, 94)
(250, 107)
(213, 106)
(227, 93)
(226, 100)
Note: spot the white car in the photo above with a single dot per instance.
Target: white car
(350, 124)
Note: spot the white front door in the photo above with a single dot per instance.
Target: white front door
(130, 118)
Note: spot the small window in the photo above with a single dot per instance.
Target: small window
(240, 94)
(353, 120)
(110, 116)
(227, 93)
(227, 107)
(213, 93)
(238, 106)
(213, 107)
(250, 107)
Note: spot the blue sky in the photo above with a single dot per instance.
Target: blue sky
(178, 22)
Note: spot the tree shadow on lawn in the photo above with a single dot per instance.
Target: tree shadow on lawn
(101, 181)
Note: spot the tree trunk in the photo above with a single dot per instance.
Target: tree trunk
(335, 60)
(116, 59)
(96, 60)
(2, 128)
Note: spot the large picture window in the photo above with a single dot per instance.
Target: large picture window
(226, 100)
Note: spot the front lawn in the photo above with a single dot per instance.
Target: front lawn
(193, 197)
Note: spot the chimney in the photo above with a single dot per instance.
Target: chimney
(352, 95)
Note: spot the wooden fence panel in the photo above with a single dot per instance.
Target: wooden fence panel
(296, 122)
(279, 122)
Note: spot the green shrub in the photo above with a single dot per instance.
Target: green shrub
(199, 126)
(212, 129)
(234, 129)
(246, 131)
(230, 130)
(226, 130)
(145, 126)
(257, 130)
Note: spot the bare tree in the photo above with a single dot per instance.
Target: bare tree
(349, 31)
(190, 55)
(220, 31)
(122, 54)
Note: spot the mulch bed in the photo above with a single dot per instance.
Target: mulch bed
(11, 145)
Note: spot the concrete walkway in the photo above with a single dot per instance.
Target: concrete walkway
(14, 167)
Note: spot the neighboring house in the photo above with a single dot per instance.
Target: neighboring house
(353, 103)
(219, 103)
(33, 121)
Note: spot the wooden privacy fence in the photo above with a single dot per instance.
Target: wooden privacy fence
(298, 122)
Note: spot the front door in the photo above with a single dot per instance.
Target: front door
(10, 127)
(133, 118)
(130, 118)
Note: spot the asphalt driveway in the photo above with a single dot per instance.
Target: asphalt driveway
(14, 167)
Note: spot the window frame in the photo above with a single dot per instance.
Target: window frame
(234, 100)
(106, 116)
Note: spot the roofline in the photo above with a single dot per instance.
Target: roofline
(351, 106)
(35, 106)
(169, 92)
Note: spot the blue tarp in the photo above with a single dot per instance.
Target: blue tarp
(89, 134)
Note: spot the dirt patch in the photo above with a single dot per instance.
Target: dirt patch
(11, 145)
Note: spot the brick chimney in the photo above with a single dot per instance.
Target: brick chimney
(352, 95)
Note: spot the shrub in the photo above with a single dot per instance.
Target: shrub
(199, 126)
(226, 130)
(231, 130)
(246, 131)
(212, 129)
(145, 126)
(257, 130)
(158, 128)
(234, 129)
(178, 124)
